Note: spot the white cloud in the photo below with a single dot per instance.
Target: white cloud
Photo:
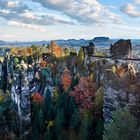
(4, 11)
(112, 6)
(84, 11)
(137, 2)
(72, 12)
(130, 10)
(11, 4)
(20, 12)
(66, 19)
(28, 26)
(28, 14)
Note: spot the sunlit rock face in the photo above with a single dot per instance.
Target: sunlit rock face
(25, 95)
(20, 93)
(120, 91)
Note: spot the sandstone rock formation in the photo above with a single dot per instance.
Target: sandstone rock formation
(120, 91)
(89, 50)
(121, 48)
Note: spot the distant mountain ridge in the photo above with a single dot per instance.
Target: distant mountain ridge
(73, 42)
(16, 43)
(61, 41)
(99, 41)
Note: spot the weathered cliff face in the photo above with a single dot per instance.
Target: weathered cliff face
(121, 48)
(20, 93)
(0, 71)
(121, 91)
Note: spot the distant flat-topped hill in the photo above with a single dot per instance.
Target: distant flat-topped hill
(100, 39)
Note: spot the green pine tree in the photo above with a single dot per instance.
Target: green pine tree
(98, 134)
(35, 135)
(71, 106)
(81, 55)
(81, 67)
(59, 121)
(122, 126)
(66, 51)
(47, 100)
(40, 118)
(86, 125)
(74, 122)
(48, 135)
(37, 121)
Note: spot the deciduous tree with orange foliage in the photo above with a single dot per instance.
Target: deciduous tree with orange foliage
(14, 51)
(55, 49)
(66, 79)
(84, 93)
(30, 51)
(43, 63)
(37, 98)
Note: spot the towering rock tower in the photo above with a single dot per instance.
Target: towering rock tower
(121, 84)
(21, 97)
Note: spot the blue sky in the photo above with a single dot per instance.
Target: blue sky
(27, 20)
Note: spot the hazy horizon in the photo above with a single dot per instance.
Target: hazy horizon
(66, 39)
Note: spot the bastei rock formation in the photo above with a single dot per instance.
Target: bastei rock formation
(120, 91)
(121, 49)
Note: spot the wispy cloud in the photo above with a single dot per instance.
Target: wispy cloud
(84, 11)
(67, 18)
(137, 2)
(20, 12)
(130, 10)
(28, 26)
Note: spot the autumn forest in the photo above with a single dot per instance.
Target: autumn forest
(50, 92)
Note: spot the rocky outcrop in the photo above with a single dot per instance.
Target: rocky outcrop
(121, 91)
(88, 51)
(20, 93)
(121, 48)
